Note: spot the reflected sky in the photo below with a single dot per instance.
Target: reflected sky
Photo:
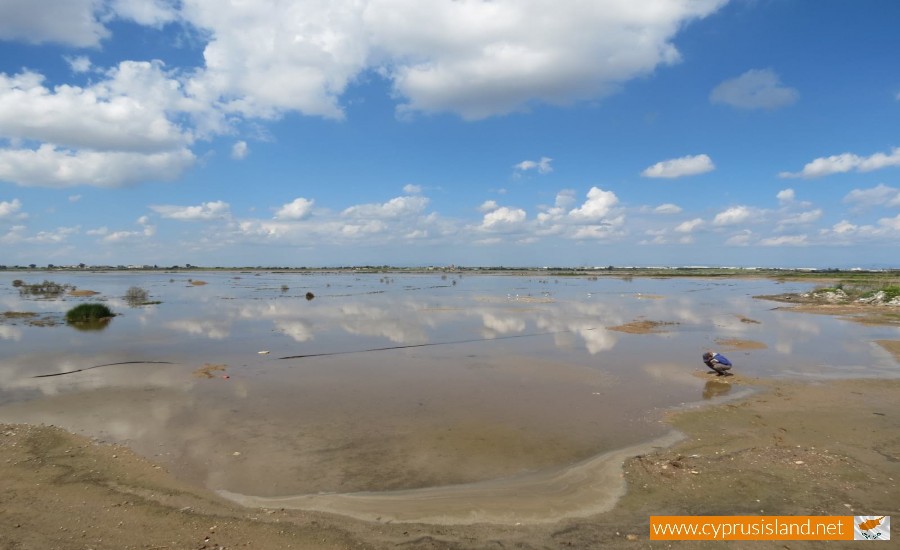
(499, 376)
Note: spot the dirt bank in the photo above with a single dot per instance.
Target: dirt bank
(865, 313)
(792, 448)
(892, 346)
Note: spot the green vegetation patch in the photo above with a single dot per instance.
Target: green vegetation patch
(891, 292)
(88, 313)
(863, 290)
(829, 288)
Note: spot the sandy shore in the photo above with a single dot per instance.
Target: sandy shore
(792, 448)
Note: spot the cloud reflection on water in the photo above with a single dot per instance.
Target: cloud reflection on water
(215, 330)
(10, 333)
(567, 387)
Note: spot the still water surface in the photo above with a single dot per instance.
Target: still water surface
(498, 382)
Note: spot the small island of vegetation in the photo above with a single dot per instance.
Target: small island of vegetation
(89, 316)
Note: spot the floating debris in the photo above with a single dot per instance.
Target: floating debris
(207, 370)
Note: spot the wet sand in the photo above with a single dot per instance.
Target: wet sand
(644, 327)
(793, 447)
(893, 346)
(739, 344)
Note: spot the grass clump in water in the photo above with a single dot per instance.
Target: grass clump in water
(46, 289)
(137, 296)
(88, 313)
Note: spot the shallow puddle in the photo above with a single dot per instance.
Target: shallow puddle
(407, 397)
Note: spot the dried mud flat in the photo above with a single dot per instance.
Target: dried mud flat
(794, 448)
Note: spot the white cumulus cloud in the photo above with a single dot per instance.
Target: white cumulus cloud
(126, 237)
(397, 207)
(127, 111)
(59, 235)
(689, 226)
(844, 227)
(541, 166)
(846, 162)
(297, 209)
(503, 218)
(357, 230)
(10, 209)
(71, 22)
(476, 59)
(755, 89)
(203, 212)
(734, 215)
(599, 203)
(667, 208)
(679, 167)
(742, 238)
(785, 196)
(266, 58)
(481, 59)
(239, 150)
(153, 13)
(786, 240)
(78, 64)
(801, 218)
(891, 223)
(609, 228)
(115, 132)
(51, 167)
(880, 195)
(488, 205)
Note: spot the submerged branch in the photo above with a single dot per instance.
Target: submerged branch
(104, 365)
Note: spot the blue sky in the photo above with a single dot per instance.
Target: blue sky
(431, 132)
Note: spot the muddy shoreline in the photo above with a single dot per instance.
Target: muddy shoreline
(817, 448)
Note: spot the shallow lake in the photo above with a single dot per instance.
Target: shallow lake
(412, 388)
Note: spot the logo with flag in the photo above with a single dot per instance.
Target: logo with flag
(871, 527)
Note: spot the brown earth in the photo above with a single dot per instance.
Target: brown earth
(207, 370)
(19, 314)
(892, 346)
(643, 327)
(747, 320)
(869, 314)
(83, 293)
(30, 318)
(740, 344)
(792, 448)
